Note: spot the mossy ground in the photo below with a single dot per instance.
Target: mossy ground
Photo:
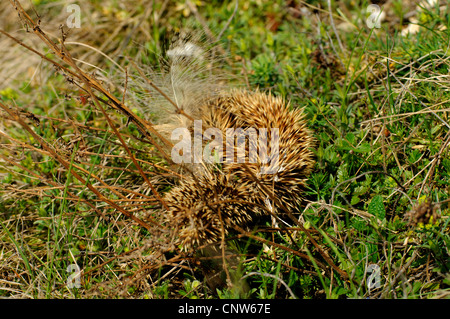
(376, 101)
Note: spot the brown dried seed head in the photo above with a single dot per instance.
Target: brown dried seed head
(423, 213)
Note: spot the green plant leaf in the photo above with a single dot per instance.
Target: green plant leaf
(376, 207)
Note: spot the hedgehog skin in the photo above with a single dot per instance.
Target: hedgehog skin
(195, 204)
(242, 109)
